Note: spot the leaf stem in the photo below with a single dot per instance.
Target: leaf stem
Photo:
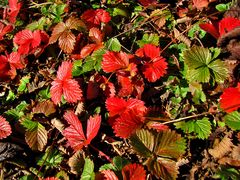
(183, 118)
(102, 154)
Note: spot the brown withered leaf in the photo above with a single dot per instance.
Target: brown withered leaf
(45, 107)
(181, 37)
(221, 149)
(76, 162)
(80, 108)
(62, 32)
(57, 124)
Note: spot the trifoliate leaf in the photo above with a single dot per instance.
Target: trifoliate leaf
(202, 128)
(202, 67)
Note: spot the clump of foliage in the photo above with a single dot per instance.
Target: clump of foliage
(119, 89)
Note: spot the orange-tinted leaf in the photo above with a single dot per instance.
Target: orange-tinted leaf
(200, 4)
(157, 126)
(113, 61)
(133, 172)
(93, 126)
(87, 50)
(67, 41)
(62, 32)
(57, 32)
(96, 35)
(230, 99)
(5, 128)
(109, 175)
(74, 133)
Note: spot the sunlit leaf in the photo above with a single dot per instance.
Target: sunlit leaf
(169, 144)
(113, 44)
(88, 170)
(201, 66)
(233, 120)
(148, 39)
(202, 128)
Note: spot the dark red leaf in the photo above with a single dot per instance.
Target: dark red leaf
(5, 128)
(4, 66)
(128, 123)
(147, 2)
(133, 172)
(230, 99)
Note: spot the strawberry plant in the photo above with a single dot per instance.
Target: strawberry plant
(119, 89)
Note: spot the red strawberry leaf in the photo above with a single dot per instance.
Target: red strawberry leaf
(64, 85)
(74, 133)
(155, 69)
(5, 128)
(230, 99)
(128, 123)
(27, 40)
(93, 126)
(113, 61)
